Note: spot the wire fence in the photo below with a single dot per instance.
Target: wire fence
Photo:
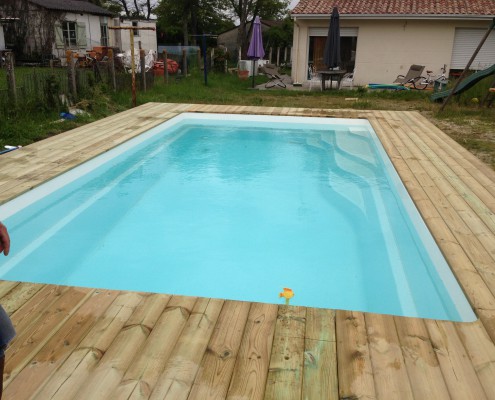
(49, 88)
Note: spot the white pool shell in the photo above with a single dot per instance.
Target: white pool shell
(444, 271)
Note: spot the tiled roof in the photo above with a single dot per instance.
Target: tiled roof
(78, 6)
(397, 7)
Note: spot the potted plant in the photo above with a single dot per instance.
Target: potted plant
(243, 74)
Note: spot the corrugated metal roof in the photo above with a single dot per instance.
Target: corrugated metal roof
(398, 7)
(78, 6)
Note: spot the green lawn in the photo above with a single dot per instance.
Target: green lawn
(463, 119)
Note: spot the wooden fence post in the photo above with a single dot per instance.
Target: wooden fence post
(199, 59)
(165, 67)
(9, 61)
(278, 56)
(184, 62)
(270, 55)
(71, 73)
(142, 63)
(111, 69)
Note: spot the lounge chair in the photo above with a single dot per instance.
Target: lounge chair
(271, 71)
(412, 75)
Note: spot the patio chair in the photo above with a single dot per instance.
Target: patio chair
(271, 71)
(347, 80)
(313, 77)
(412, 75)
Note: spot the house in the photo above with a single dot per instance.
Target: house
(48, 28)
(382, 39)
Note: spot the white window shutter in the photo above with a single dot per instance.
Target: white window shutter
(81, 35)
(59, 36)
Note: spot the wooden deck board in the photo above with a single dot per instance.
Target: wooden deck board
(76, 343)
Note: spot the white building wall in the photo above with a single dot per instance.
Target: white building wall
(93, 32)
(387, 48)
(122, 38)
(2, 38)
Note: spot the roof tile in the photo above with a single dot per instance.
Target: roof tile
(72, 6)
(397, 7)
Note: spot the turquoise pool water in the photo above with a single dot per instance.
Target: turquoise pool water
(236, 208)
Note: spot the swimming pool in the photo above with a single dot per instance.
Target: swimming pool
(238, 209)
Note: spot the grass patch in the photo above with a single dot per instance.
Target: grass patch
(463, 120)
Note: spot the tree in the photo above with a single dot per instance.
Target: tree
(247, 10)
(143, 9)
(179, 21)
(280, 35)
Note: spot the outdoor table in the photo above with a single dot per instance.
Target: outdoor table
(330, 74)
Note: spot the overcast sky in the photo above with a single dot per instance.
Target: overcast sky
(293, 3)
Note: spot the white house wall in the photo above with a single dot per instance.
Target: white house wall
(387, 48)
(2, 38)
(93, 32)
(146, 37)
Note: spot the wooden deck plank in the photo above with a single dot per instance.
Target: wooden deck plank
(320, 356)
(7, 286)
(475, 194)
(251, 368)
(141, 345)
(421, 361)
(285, 371)
(355, 372)
(180, 371)
(108, 374)
(127, 343)
(481, 351)
(218, 363)
(459, 374)
(462, 162)
(389, 370)
(19, 294)
(30, 341)
(74, 372)
(59, 347)
(142, 375)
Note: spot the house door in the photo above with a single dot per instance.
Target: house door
(348, 44)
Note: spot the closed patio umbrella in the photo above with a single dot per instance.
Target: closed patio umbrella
(331, 55)
(255, 50)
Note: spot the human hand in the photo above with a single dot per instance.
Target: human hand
(4, 240)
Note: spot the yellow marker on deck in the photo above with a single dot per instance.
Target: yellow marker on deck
(287, 294)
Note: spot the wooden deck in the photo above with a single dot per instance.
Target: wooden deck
(93, 344)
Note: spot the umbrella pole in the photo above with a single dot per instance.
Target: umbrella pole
(253, 73)
(205, 70)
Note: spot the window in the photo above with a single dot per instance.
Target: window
(70, 35)
(69, 32)
(104, 34)
(348, 46)
(135, 25)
